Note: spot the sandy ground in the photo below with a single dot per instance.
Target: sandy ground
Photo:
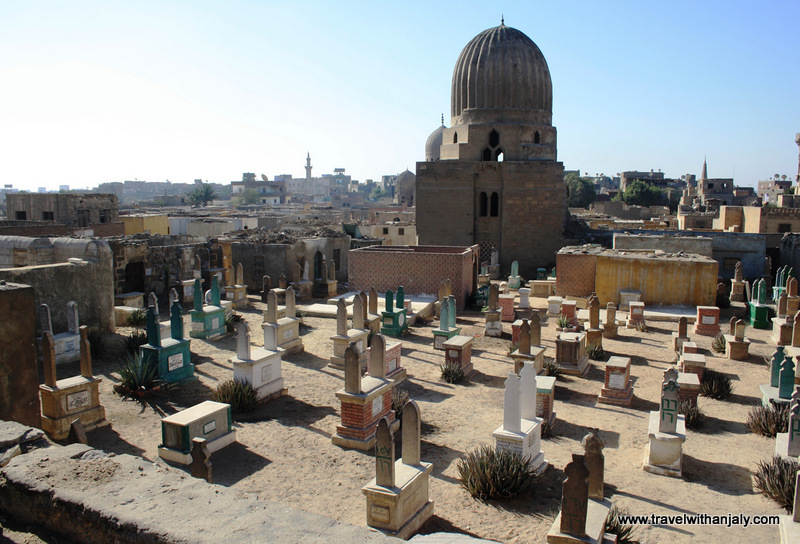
(284, 450)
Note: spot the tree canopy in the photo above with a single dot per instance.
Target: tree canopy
(203, 194)
(581, 191)
(641, 193)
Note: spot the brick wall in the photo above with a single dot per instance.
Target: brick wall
(419, 269)
(575, 274)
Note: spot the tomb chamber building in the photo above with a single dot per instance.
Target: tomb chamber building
(492, 178)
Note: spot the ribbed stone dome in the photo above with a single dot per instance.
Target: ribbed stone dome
(503, 71)
(433, 147)
(406, 187)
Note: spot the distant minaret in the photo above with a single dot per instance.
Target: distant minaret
(308, 167)
(704, 175)
(797, 141)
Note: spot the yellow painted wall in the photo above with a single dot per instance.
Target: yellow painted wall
(137, 224)
(662, 281)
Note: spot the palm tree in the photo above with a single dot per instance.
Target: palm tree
(203, 194)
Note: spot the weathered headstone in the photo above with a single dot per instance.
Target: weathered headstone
(352, 371)
(373, 300)
(358, 312)
(384, 454)
(243, 340)
(511, 404)
(341, 317)
(72, 317)
(593, 456)
(668, 411)
(201, 460)
(575, 497)
(45, 323)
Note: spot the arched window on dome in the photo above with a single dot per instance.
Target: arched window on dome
(455, 137)
(483, 203)
(537, 138)
(495, 206)
(487, 154)
(498, 154)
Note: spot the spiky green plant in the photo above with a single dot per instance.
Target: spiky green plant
(512, 347)
(487, 473)
(137, 376)
(775, 480)
(137, 318)
(716, 385)
(135, 340)
(451, 372)
(625, 533)
(692, 414)
(548, 427)
(768, 420)
(552, 368)
(562, 322)
(718, 344)
(399, 400)
(238, 393)
(595, 352)
(641, 326)
(231, 319)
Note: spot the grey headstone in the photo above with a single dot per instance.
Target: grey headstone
(341, 317)
(412, 425)
(668, 413)
(358, 313)
(45, 322)
(525, 338)
(72, 317)
(384, 454)
(243, 340)
(377, 356)
(352, 371)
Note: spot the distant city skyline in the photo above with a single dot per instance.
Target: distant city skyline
(99, 92)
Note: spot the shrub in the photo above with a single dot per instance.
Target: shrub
(399, 400)
(451, 372)
(138, 377)
(625, 533)
(719, 343)
(692, 414)
(548, 427)
(775, 480)
(134, 341)
(641, 326)
(238, 393)
(552, 368)
(97, 343)
(768, 420)
(595, 352)
(487, 473)
(231, 319)
(138, 318)
(716, 385)
(512, 347)
(562, 322)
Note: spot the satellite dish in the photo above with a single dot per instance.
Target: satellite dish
(264, 177)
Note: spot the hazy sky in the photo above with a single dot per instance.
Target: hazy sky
(108, 91)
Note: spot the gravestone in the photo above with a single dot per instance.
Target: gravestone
(209, 420)
(65, 343)
(527, 351)
(346, 337)
(172, 355)
(575, 497)
(266, 285)
(610, 324)
(666, 431)
(678, 338)
(493, 325)
(201, 460)
(207, 319)
(593, 456)
(788, 444)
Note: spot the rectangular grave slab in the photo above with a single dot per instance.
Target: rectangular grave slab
(210, 420)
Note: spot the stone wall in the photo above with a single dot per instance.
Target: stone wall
(575, 274)
(699, 245)
(19, 377)
(419, 269)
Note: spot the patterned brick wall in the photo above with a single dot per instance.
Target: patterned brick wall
(575, 274)
(418, 269)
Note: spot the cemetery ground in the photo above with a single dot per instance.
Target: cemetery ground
(284, 450)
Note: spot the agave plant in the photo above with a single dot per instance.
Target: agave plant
(488, 473)
(239, 394)
(451, 372)
(775, 479)
(137, 376)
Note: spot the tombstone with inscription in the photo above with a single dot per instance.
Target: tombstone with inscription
(737, 346)
(581, 519)
(236, 290)
(395, 316)
(287, 328)
(365, 401)
(446, 329)
(666, 431)
(678, 338)
(617, 388)
(171, 355)
(521, 430)
(770, 392)
(385, 355)
(737, 284)
(527, 350)
(635, 315)
(346, 337)
(758, 310)
(258, 366)
(707, 321)
(208, 320)
(571, 353)
(594, 334)
(62, 401)
(515, 281)
(398, 501)
(67, 343)
(209, 420)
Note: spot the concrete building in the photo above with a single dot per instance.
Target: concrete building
(75, 209)
(142, 223)
(269, 192)
(495, 180)
(770, 189)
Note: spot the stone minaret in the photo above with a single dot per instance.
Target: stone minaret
(797, 141)
(308, 168)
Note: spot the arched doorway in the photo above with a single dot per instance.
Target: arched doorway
(318, 267)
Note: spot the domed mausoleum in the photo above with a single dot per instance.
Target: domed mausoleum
(492, 178)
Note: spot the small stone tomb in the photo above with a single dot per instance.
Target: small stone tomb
(737, 284)
(594, 334)
(782, 328)
(781, 379)
(387, 355)
(286, 329)
(66, 344)
(707, 321)
(208, 320)
(394, 318)
(617, 388)
(546, 399)
(458, 350)
(692, 362)
(792, 300)
(737, 347)
(521, 430)
(527, 351)
(515, 281)
(678, 338)
(493, 326)
(209, 420)
(345, 337)
(569, 309)
(542, 288)
(260, 367)
(447, 323)
(635, 315)
(688, 387)
(554, 306)
(581, 519)
(666, 432)
(788, 444)
(365, 401)
(171, 355)
(758, 309)
(628, 296)
(236, 290)
(506, 303)
(398, 502)
(571, 353)
(65, 400)
(689, 347)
